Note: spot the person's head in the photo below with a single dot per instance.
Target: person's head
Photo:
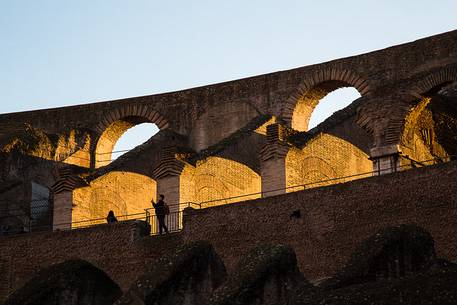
(162, 196)
(110, 213)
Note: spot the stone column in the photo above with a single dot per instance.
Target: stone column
(62, 190)
(62, 210)
(386, 159)
(167, 175)
(273, 161)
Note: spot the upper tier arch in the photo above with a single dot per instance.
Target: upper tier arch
(313, 88)
(114, 124)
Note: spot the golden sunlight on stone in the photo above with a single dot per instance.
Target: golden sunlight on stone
(216, 178)
(122, 192)
(82, 156)
(325, 157)
(107, 141)
(263, 129)
(302, 113)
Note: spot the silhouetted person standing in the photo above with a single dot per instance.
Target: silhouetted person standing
(111, 218)
(161, 210)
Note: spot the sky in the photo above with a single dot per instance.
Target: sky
(56, 53)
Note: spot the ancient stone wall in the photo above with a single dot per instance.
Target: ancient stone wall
(325, 225)
(122, 192)
(111, 248)
(215, 180)
(324, 158)
(402, 67)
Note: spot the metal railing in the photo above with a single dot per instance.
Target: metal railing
(174, 221)
(325, 182)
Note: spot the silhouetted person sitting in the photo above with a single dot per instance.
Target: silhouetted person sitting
(111, 218)
(161, 210)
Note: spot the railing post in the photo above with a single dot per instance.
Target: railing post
(148, 216)
(385, 159)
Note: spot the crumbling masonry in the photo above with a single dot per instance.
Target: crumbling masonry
(246, 140)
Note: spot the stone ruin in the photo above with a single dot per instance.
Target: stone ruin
(232, 142)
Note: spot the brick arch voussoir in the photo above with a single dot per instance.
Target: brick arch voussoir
(116, 114)
(145, 112)
(324, 75)
(384, 118)
(442, 76)
(397, 120)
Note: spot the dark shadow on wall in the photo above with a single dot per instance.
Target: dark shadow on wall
(186, 276)
(73, 282)
(266, 275)
(392, 253)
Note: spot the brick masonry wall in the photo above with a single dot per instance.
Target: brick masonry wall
(108, 247)
(334, 219)
(399, 67)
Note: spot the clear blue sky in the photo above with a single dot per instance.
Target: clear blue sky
(60, 52)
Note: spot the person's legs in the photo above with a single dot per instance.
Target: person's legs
(164, 225)
(161, 220)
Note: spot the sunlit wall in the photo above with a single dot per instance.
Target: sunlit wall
(419, 139)
(216, 178)
(122, 192)
(323, 158)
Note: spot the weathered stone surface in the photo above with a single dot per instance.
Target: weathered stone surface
(186, 276)
(266, 275)
(391, 253)
(435, 286)
(109, 247)
(219, 132)
(73, 282)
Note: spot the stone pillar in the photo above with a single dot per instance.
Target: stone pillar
(273, 161)
(167, 175)
(386, 159)
(62, 190)
(62, 210)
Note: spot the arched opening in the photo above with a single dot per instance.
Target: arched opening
(320, 102)
(70, 282)
(133, 137)
(429, 131)
(332, 102)
(216, 181)
(121, 136)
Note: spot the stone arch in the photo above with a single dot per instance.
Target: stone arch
(434, 80)
(313, 88)
(68, 283)
(115, 123)
(407, 106)
(393, 252)
(410, 103)
(187, 275)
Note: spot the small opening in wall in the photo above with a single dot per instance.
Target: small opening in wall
(133, 137)
(334, 101)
